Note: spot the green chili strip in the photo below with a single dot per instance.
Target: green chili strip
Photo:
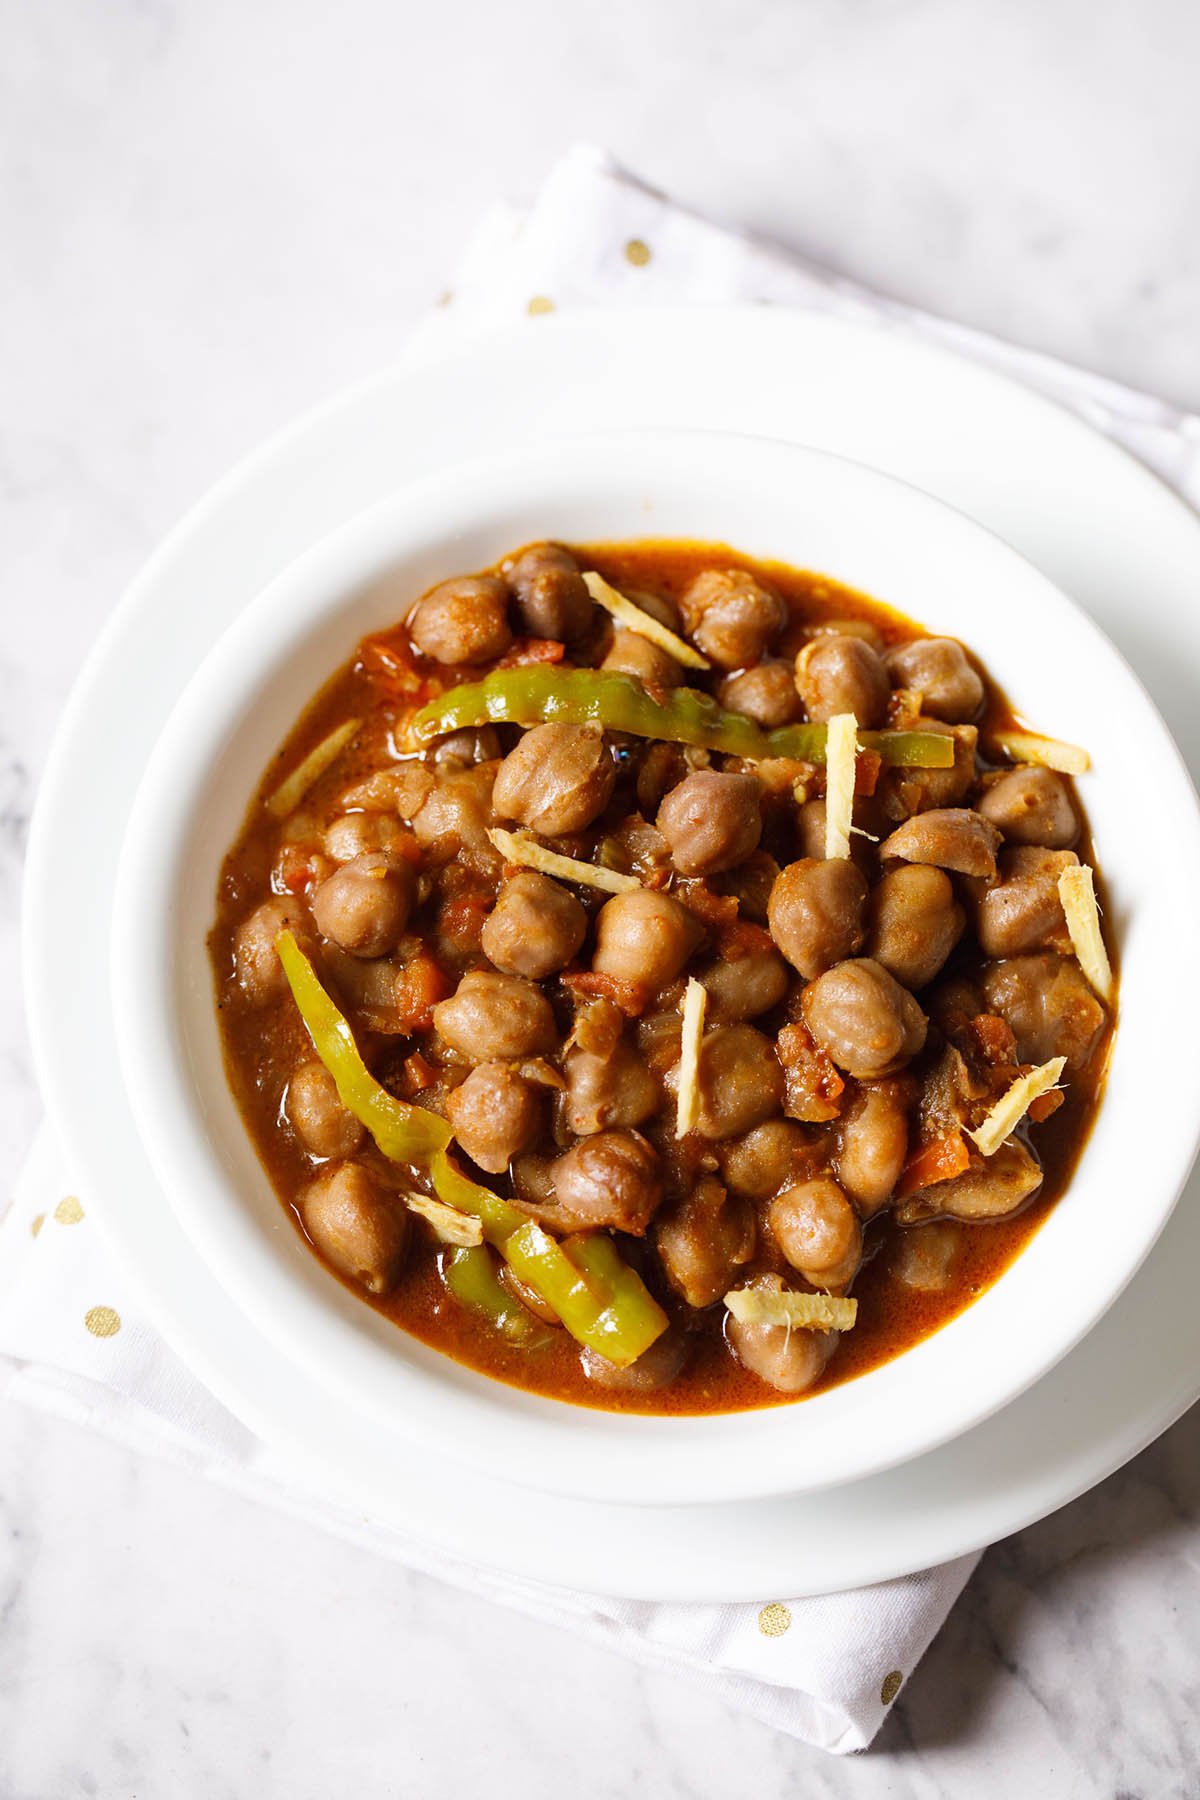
(595, 1253)
(407, 1134)
(607, 1308)
(610, 1310)
(470, 1274)
(533, 696)
(498, 1218)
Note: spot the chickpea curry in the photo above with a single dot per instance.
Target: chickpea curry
(662, 980)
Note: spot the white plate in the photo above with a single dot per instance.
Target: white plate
(1098, 524)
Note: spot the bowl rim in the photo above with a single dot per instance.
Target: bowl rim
(606, 1459)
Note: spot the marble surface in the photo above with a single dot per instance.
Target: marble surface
(211, 216)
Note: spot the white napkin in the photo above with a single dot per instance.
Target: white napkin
(825, 1670)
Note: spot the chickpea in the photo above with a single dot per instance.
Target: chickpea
(951, 837)
(466, 748)
(255, 959)
(464, 620)
(842, 675)
(766, 693)
(732, 617)
(915, 922)
(632, 654)
(711, 821)
(1023, 911)
(867, 1022)
(810, 837)
(495, 1018)
(324, 1126)
(815, 913)
(356, 1226)
(644, 937)
(613, 1089)
(557, 779)
(358, 833)
(364, 906)
(655, 1368)
(551, 599)
(611, 1179)
(938, 669)
(451, 824)
(1049, 1005)
(788, 1360)
(1031, 806)
(702, 1239)
(872, 1144)
(818, 1231)
(925, 1256)
(659, 606)
(741, 1081)
(745, 988)
(495, 1114)
(760, 1163)
(535, 927)
(401, 790)
(919, 790)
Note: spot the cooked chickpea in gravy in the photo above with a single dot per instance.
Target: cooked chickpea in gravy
(676, 1000)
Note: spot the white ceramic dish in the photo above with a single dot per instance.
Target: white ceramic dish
(1097, 521)
(774, 500)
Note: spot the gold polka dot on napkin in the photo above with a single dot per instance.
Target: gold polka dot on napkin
(892, 1684)
(68, 1211)
(774, 1620)
(102, 1321)
(540, 303)
(637, 252)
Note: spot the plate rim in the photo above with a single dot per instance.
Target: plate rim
(180, 541)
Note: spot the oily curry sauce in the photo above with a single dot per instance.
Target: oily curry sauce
(262, 1045)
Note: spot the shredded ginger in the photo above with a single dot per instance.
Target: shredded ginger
(1014, 1103)
(1047, 753)
(634, 618)
(527, 853)
(449, 1225)
(322, 756)
(841, 749)
(784, 1306)
(695, 1001)
(1077, 891)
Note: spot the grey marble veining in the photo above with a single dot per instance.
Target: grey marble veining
(213, 215)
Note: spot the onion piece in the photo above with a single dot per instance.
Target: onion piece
(449, 1225)
(841, 748)
(1014, 1103)
(634, 618)
(785, 1306)
(1077, 892)
(1047, 753)
(293, 787)
(527, 853)
(687, 1107)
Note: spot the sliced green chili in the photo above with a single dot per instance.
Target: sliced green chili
(535, 696)
(607, 1306)
(406, 1134)
(595, 1253)
(609, 1310)
(471, 1276)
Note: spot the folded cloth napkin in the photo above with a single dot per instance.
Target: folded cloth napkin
(825, 1670)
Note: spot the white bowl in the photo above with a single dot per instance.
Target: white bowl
(770, 500)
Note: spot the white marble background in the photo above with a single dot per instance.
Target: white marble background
(214, 212)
